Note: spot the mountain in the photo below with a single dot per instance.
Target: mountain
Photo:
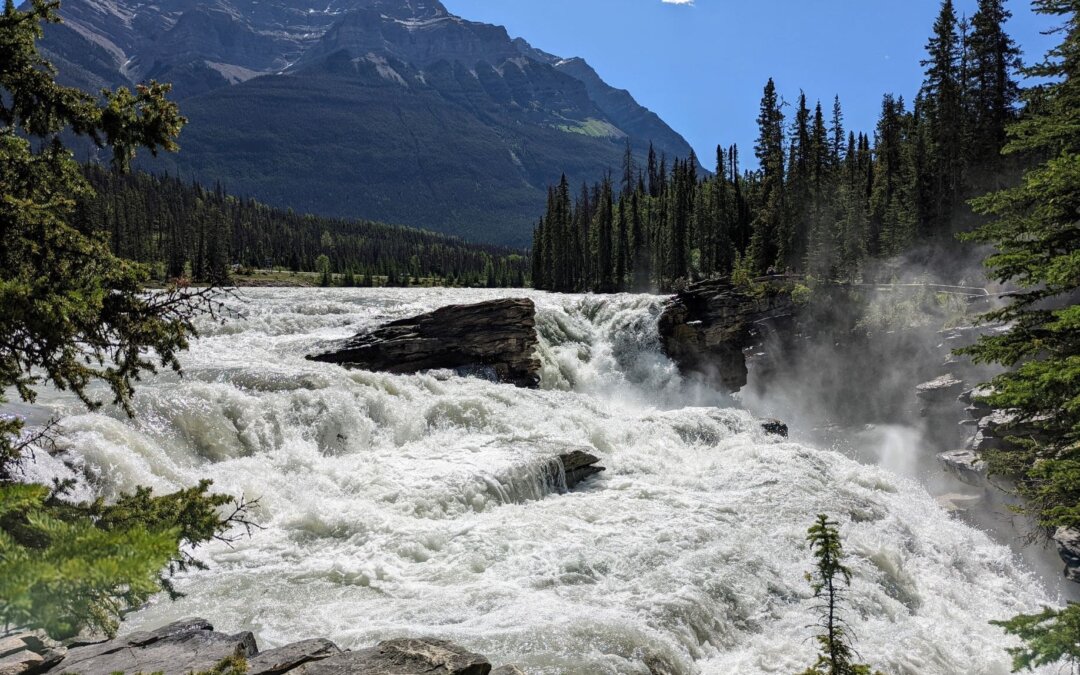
(391, 110)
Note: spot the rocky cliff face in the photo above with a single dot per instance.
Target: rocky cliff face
(706, 328)
(392, 110)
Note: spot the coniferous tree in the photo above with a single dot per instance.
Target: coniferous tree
(829, 579)
(765, 244)
(994, 60)
(942, 95)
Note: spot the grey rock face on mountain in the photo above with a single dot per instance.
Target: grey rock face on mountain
(392, 110)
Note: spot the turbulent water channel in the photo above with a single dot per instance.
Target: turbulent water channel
(424, 505)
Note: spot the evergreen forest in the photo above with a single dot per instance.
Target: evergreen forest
(824, 200)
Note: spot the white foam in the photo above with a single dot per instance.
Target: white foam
(417, 505)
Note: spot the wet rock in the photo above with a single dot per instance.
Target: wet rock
(508, 670)
(705, 328)
(965, 465)
(402, 657)
(958, 503)
(579, 465)
(179, 648)
(1068, 545)
(944, 388)
(291, 656)
(775, 427)
(975, 407)
(496, 338)
(29, 652)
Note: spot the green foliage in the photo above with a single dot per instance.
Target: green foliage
(72, 313)
(1035, 232)
(801, 294)
(1051, 636)
(828, 579)
(65, 566)
(234, 665)
(1036, 235)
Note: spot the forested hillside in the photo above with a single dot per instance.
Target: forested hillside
(185, 230)
(824, 200)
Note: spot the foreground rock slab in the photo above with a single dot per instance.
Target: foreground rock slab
(495, 338)
(193, 646)
(290, 657)
(402, 657)
(183, 647)
(29, 652)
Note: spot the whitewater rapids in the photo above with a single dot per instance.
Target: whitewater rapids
(424, 505)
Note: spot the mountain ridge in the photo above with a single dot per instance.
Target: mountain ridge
(392, 110)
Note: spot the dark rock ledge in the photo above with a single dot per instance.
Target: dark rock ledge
(706, 328)
(579, 465)
(496, 338)
(192, 646)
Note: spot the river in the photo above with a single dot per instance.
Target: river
(424, 505)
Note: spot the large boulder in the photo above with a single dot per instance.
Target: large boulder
(944, 388)
(193, 646)
(187, 646)
(705, 328)
(28, 652)
(966, 465)
(402, 657)
(496, 338)
(290, 657)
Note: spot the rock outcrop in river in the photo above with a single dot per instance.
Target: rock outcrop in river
(193, 646)
(496, 339)
(705, 328)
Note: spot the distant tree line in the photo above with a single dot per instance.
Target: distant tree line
(823, 200)
(184, 230)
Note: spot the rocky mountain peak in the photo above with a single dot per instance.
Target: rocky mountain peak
(394, 110)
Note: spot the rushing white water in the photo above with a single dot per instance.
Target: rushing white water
(425, 505)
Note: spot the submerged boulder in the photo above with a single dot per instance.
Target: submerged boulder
(775, 427)
(496, 338)
(579, 465)
(705, 328)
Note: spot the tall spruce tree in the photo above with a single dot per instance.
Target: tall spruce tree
(942, 95)
(994, 60)
(829, 580)
(765, 243)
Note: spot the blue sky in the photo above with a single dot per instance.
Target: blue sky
(701, 65)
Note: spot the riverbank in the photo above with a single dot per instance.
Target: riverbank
(192, 646)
